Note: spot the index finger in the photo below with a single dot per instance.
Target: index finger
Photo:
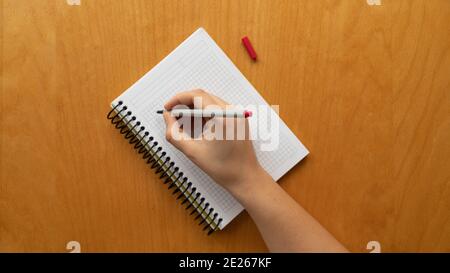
(187, 98)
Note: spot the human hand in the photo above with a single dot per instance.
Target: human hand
(230, 162)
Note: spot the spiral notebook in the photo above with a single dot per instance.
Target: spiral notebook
(196, 63)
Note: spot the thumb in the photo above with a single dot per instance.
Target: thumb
(174, 134)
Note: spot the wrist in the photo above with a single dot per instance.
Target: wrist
(250, 183)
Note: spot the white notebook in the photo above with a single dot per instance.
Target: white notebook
(198, 62)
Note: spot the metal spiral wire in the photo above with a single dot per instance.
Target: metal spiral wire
(156, 158)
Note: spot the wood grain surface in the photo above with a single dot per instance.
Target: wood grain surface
(366, 88)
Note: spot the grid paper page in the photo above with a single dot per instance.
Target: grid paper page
(199, 63)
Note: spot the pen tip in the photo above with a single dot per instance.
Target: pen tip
(159, 111)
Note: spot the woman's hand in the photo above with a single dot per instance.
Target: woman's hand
(284, 225)
(232, 162)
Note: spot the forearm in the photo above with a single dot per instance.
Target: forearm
(283, 223)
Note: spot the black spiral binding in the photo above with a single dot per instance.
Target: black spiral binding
(126, 123)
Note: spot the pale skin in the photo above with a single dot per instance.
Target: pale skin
(284, 225)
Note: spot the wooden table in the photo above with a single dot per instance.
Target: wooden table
(365, 87)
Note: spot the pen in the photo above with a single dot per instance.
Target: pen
(208, 113)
